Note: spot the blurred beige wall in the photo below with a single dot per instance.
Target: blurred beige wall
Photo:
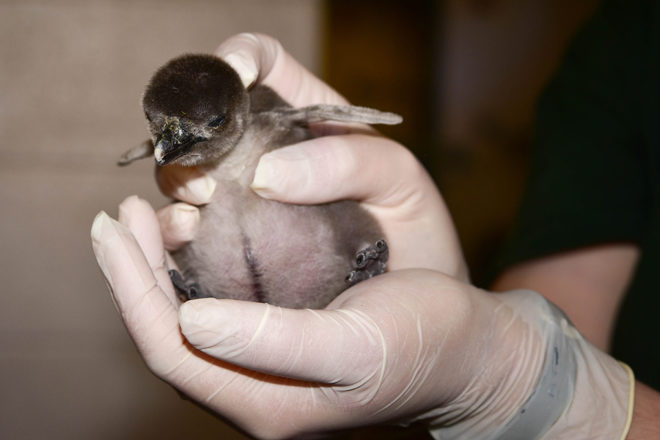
(71, 76)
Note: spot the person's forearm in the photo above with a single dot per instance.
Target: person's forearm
(587, 284)
(646, 414)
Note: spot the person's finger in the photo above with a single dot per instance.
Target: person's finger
(372, 169)
(261, 58)
(361, 334)
(385, 177)
(188, 184)
(138, 216)
(343, 345)
(147, 311)
(178, 224)
(284, 342)
(152, 321)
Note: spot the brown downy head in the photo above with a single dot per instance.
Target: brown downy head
(197, 109)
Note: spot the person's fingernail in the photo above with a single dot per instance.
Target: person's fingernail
(188, 313)
(202, 322)
(115, 250)
(265, 175)
(197, 319)
(123, 216)
(179, 223)
(199, 190)
(276, 168)
(244, 66)
(184, 216)
(102, 229)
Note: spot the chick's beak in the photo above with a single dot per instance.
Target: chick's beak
(173, 142)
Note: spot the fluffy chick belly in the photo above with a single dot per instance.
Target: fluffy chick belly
(216, 261)
(294, 255)
(269, 252)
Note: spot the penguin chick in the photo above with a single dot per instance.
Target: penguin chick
(200, 114)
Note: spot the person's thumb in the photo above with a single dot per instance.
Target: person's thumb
(339, 347)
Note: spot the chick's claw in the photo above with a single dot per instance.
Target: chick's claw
(186, 289)
(369, 262)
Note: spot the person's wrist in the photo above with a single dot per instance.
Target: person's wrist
(602, 400)
(581, 393)
(509, 350)
(553, 392)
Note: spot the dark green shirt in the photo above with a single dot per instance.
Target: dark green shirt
(595, 175)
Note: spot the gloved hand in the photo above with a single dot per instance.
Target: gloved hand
(417, 343)
(412, 344)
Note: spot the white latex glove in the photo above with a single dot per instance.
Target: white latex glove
(407, 345)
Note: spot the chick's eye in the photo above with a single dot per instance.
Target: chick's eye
(217, 121)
